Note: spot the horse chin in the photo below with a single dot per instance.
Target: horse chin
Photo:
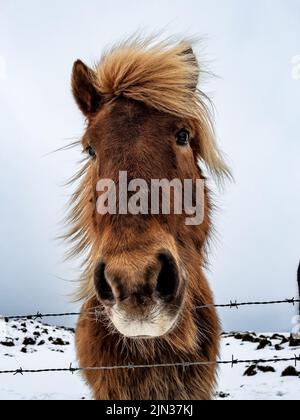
(157, 327)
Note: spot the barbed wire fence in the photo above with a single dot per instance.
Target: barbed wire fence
(231, 305)
(233, 362)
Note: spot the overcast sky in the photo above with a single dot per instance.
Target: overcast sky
(252, 47)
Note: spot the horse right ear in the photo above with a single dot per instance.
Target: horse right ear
(192, 58)
(86, 95)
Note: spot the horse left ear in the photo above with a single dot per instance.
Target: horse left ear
(190, 56)
(86, 95)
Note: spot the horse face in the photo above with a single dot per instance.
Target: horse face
(139, 276)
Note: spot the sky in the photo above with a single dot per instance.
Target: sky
(252, 47)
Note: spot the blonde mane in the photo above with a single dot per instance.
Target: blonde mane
(163, 75)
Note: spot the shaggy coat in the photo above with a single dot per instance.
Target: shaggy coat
(135, 100)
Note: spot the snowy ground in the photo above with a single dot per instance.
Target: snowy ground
(33, 345)
(259, 385)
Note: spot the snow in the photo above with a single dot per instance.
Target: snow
(262, 386)
(57, 350)
(42, 386)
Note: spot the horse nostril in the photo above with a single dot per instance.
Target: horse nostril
(101, 284)
(168, 279)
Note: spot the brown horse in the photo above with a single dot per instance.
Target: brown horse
(143, 281)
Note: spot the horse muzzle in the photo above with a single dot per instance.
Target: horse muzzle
(141, 304)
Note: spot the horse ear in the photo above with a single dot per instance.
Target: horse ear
(86, 95)
(192, 59)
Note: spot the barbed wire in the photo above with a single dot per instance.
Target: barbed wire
(233, 362)
(231, 305)
(237, 305)
(39, 315)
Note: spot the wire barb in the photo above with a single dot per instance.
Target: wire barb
(72, 370)
(234, 305)
(233, 362)
(18, 372)
(38, 316)
(291, 301)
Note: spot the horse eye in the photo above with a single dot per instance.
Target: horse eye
(183, 137)
(91, 152)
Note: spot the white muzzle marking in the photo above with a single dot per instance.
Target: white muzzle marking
(158, 326)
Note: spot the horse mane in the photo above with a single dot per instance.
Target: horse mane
(163, 75)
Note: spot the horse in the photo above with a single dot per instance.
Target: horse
(145, 299)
